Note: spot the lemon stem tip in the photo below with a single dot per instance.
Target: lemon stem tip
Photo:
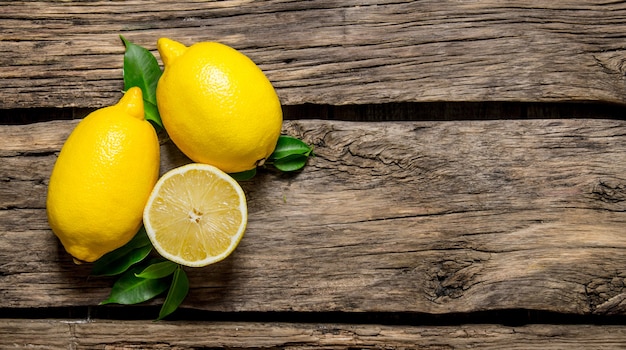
(169, 49)
(132, 102)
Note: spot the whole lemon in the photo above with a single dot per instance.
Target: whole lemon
(102, 179)
(217, 106)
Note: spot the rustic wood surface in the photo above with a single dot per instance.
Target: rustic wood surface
(433, 217)
(393, 224)
(102, 334)
(68, 54)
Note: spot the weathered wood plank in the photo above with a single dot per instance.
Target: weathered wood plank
(72, 334)
(68, 54)
(417, 216)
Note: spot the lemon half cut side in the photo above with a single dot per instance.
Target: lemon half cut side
(196, 215)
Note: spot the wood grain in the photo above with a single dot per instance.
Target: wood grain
(68, 54)
(102, 334)
(433, 217)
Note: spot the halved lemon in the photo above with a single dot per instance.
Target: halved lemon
(196, 215)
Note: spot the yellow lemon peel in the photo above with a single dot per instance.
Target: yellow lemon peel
(217, 106)
(102, 179)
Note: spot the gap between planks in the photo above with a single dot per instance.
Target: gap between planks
(397, 111)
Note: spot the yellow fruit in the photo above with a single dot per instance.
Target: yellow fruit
(217, 105)
(102, 179)
(196, 215)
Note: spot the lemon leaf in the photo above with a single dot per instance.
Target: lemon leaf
(291, 162)
(152, 115)
(142, 69)
(122, 264)
(119, 260)
(287, 146)
(177, 293)
(290, 154)
(158, 270)
(244, 175)
(130, 289)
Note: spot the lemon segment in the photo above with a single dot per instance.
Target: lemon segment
(196, 215)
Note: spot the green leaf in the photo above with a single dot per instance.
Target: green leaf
(244, 175)
(158, 270)
(121, 265)
(142, 69)
(291, 162)
(177, 293)
(287, 146)
(119, 260)
(130, 289)
(151, 112)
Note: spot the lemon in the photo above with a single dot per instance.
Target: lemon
(102, 179)
(196, 215)
(217, 106)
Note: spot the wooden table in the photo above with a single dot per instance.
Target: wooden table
(469, 188)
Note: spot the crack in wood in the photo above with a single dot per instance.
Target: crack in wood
(610, 191)
(602, 291)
